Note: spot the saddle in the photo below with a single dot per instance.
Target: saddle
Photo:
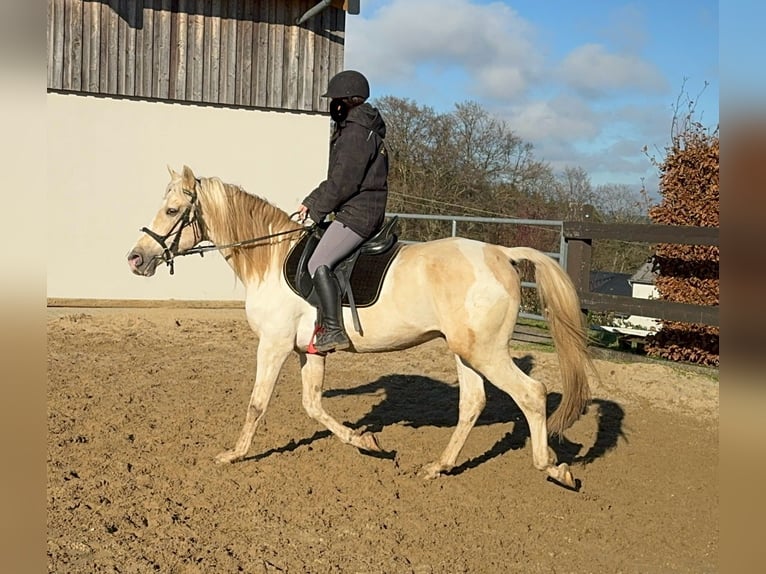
(360, 274)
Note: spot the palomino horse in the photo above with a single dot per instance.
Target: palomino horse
(465, 291)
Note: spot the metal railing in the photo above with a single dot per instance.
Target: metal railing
(560, 255)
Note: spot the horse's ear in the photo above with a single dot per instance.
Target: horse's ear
(172, 172)
(189, 177)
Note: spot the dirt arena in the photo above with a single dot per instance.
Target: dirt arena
(140, 401)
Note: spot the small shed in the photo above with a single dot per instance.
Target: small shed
(642, 281)
(641, 286)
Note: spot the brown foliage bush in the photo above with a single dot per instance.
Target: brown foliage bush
(688, 273)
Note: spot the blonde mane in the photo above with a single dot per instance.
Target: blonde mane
(231, 214)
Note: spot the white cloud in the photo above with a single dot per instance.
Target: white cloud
(568, 131)
(590, 69)
(489, 44)
(649, 125)
(563, 118)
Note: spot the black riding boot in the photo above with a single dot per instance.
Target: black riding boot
(331, 335)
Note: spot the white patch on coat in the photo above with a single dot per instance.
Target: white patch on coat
(486, 291)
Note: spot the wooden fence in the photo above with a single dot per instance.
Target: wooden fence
(233, 52)
(578, 237)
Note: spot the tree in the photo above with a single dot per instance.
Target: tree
(464, 162)
(572, 190)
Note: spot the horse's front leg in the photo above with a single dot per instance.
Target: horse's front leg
(271, 356)
(312, 375)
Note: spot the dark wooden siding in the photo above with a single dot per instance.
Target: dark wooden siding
(236, 52)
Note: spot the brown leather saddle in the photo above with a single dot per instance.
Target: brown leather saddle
(360, 275)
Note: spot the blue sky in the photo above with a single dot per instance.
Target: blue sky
(588, 83)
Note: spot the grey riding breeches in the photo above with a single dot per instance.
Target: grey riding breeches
(336, 243)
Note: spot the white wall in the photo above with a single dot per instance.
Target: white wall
(644, 291)
(107, 170)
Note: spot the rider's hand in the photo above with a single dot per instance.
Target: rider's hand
(303, 212)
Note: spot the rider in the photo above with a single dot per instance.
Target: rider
(355, 191)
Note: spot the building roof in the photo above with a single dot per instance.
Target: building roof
(610, 283)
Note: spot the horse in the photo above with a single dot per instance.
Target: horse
(464, 291)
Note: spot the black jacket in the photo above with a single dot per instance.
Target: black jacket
(356, 188)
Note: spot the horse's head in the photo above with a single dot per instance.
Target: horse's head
(176, 228)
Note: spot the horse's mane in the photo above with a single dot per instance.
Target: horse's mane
(231, 214)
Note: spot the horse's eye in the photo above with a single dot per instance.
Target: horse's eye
(171, 211)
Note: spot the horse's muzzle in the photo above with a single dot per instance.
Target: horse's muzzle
(139, 264)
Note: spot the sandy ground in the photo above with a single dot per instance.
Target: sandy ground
(141, 400)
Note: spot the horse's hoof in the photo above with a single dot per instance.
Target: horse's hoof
(227, 457)
(430, 471)
(368, 442)
(568, 480)
(563, 475)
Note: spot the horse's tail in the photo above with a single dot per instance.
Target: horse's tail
(561, 307)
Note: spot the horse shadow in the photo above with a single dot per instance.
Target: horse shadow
(418, 401)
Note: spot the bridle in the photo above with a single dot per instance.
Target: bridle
(192, 216)
(188, 217)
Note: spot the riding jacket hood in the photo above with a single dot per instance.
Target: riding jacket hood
(356, 188)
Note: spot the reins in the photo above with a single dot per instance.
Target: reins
(201, 249)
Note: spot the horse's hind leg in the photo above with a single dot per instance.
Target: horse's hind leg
(530, 396)
(472, 401)
(312, 375)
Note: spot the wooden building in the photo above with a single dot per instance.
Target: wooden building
(250, 53)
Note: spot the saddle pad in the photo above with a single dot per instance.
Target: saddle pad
(366, 277)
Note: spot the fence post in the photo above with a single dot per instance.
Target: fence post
(578, 263)
(578, 256)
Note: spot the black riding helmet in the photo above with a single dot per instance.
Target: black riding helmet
(346, 84)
